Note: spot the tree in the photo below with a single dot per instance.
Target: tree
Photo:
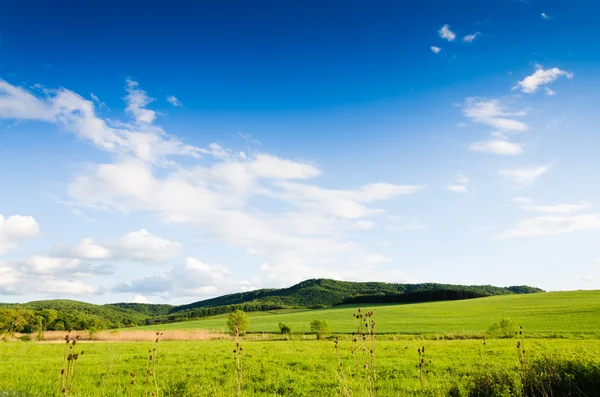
(284, 329)
(506, 329)
(238, 322)
(320, 328)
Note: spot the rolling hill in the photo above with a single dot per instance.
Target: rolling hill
(309, 294)
(562, 314)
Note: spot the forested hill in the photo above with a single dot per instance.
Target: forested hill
(315, 293)
(326, 292)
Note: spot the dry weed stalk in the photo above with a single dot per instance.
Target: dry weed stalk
(237, 352)
(67, 372)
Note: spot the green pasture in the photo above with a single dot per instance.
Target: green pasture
(270, 368)
(567, 314)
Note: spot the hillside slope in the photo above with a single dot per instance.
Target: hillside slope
(571, 313)
(315, 293)
(327, 292)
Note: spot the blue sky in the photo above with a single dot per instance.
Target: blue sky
(173, 152)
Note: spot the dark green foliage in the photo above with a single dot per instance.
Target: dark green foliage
(144, 308)
(326, 292)
(416, 297)
(64, 314)
(524, 289)
(284, 329)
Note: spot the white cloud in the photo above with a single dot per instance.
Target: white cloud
(550, 92)
(303, 229)
(552, 225)
(446, 33)
(527, 204)
(62, 287)
(77, 115)
(139, 298)
(44, 264)
(497, 146)
(545, 16)
(435, 49)
(525, 175)
(193, 277)
(137, 100)
(541, 76)
(470, 37)
(461, 184)
(143, 246)
(348, 204)
(16, 229)
(174, 101)
(494, 114)
(88, 249)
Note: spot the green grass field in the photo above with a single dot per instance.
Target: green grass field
(270, 368)
(574, 313)
(303, 366)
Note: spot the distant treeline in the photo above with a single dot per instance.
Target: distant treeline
(415, 297)
(316, 293)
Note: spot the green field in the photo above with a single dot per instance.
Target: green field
(571, 314)
(270, 368)
(561, 329)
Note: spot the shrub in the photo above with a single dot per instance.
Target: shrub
(238, 320)
(284, 329)
(495, 383)
(320, 328)
(554, 375)
(25, 338)
(505, 329)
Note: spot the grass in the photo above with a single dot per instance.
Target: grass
(567, 314)
(302, 365)
(288, 368)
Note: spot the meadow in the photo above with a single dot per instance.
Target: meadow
(567, 314)
(270, 368)
(560, 338)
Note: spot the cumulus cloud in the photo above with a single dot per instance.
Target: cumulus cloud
(16, 229)
(446, 33)
(302, 229)
(174, 101)
(470, 37)
(139, 246)
(139, 298)
(525, 175)
(65, 287)
(545, 16)
(88, 249)
(435, 49)
(460, 185)
(143, 246)
(540, 77)
(551, 225)
(497, 146)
